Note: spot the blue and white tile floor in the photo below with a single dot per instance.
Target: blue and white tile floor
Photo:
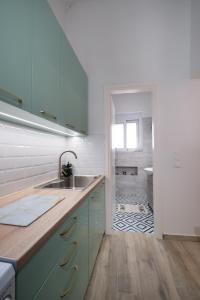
(133, 222)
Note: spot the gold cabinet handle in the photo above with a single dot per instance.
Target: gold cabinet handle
(48, 115)
(70, 126)
(16, 98)
(71, 255)
(72, 282)
(67, 232)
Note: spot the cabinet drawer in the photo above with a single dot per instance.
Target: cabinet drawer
(61, 283)
(69, 277)
(67, 282)
(61, 245)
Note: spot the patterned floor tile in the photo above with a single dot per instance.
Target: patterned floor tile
(134, 222)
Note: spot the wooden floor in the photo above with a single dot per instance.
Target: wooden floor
(134, 266)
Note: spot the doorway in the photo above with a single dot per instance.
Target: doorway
(133, 163)
(117, 170)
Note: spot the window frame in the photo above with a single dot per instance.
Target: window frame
(131, 118)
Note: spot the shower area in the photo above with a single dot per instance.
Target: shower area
(132, 144)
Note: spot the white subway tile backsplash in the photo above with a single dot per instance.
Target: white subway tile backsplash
(91, 154)
(29, 157)
(7, 163)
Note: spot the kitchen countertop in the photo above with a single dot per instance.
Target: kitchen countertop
(18, 244)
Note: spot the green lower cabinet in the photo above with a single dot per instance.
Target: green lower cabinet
(96, 223)
(60, 284)
(101, 213)
(62, 267)
(69, 281)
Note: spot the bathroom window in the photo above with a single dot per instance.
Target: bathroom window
(118, 136)
(131, 134)
(126, 136)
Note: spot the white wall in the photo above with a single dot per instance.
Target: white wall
(178, 161)
(143, 42)
(195, 39)
(91, 154)
(120, 42)
(138, 102)
(128, 41)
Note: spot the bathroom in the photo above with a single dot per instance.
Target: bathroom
(132, 142)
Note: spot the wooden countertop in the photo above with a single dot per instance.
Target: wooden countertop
(18, 244)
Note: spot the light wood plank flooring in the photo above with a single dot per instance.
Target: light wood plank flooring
(136, 266)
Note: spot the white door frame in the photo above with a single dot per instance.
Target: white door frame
(108, 92)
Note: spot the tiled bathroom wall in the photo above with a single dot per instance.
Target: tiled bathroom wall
(29, 157)
(133, 188)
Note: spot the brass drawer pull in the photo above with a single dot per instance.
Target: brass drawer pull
(67, 232)
(71, 255)
(72, 282)
(70, 126)
(16, 98)
(48, 115)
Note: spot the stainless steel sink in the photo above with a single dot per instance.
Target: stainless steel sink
(72, 182)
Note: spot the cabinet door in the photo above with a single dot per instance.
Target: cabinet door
(101, 213)
(46, 62)
(83, 279)
(96, 223)
(15, 52)
(68, 100)
(69, 281)
(74, 88)
(93, 230)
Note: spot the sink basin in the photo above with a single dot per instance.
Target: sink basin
(73, 182)
(149, 170)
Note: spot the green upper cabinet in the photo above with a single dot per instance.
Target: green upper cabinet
(68, 114)
(15, 52)
(74, 88)
(45, 62)
(39, 70)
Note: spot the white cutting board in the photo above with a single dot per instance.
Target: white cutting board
(26, 210)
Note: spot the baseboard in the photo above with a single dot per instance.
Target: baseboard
(181, 237)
